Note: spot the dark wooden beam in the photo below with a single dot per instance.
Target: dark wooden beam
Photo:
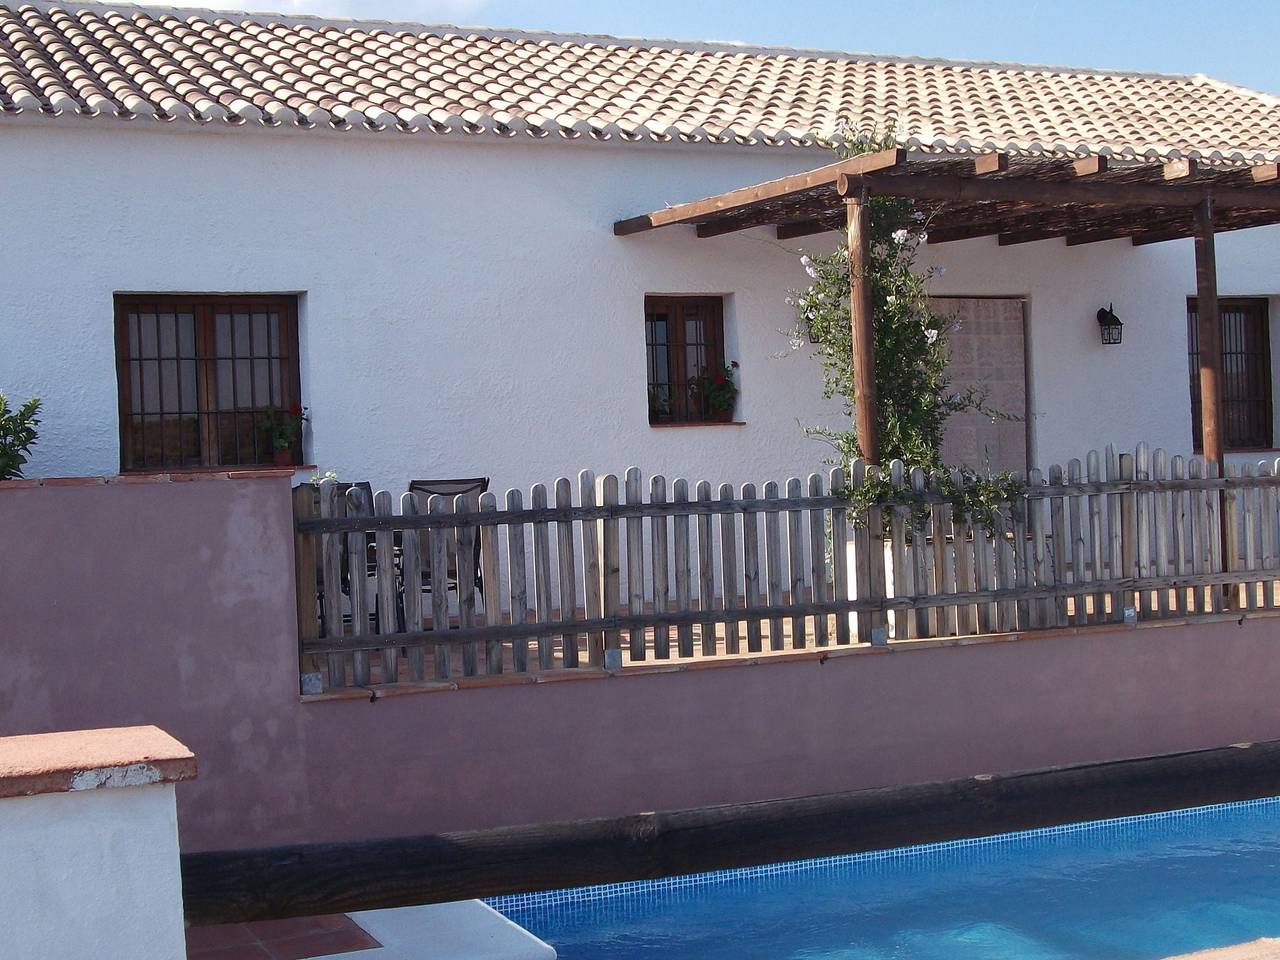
(308, 879)
(801, 228)
(969, 232)
(1143, 238)
(1100, 236)
(699, 211)
(1209, 329)
(1052, 193)
(864, 358)
(1029, 236)
(718, 228)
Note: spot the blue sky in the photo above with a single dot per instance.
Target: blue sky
(1229, 41)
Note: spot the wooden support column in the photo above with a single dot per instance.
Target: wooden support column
(864, 359)
(1209, 329)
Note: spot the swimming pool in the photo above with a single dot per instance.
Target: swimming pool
(1137, 888)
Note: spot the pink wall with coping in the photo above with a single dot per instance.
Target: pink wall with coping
(171, 603)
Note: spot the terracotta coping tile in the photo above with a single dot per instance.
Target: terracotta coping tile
(91, 759)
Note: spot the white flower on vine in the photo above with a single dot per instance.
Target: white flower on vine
(796, 343)
(891, 299)
(931, 336)
(900, 236)
(809, 268)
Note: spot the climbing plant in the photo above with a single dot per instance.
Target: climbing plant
(915, 395)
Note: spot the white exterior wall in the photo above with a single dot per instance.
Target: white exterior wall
(91, 874)
(465, 308)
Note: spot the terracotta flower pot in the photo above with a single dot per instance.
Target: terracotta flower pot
(282, 458)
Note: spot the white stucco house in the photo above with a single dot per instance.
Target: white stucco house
(409, 230)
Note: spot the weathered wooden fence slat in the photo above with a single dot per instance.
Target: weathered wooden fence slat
(634, 493)
(490, 574)
(591, 567)
(839, 555)
(684, 585)
(358, 505)
(773, 566)
(706, 572)
(610, 562)
(751, 569)
(729, 565)
(661, 578)
(568, 568)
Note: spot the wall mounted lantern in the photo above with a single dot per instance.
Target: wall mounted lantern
(1112, 328)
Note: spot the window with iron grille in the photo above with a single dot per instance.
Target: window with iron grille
(1246, 373)
(205, 380)
(684, 337)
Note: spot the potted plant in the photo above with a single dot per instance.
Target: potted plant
(717, 391)
(17, 435)
(285, 429)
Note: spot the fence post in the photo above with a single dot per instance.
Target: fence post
(306, 567)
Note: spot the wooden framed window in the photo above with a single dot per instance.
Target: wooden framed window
(1246, 373)
(684, 337)
(203, 379)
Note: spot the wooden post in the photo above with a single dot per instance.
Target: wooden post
(864, 360)
(1210, 335)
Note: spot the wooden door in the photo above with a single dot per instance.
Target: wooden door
(987, 344)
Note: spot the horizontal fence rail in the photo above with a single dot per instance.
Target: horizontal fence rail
(609, 572)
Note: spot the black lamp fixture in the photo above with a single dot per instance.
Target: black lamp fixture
(1112, 328)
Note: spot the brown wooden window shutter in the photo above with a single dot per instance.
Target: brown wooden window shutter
(684, 337)
(202, 379)
(1246, 373)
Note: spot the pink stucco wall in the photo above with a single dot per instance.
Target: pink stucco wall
(172, 604)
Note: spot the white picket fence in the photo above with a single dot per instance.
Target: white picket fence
(604, 572)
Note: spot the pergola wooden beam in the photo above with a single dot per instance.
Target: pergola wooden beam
(711, 207)
(1056, 193)
(865, 406)
(801, 228)
(1209, 329)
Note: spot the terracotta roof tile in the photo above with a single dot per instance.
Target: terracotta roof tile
(237, 68)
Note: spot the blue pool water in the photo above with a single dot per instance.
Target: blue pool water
(1140, 888)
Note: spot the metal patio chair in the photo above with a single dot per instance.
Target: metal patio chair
(471, 488)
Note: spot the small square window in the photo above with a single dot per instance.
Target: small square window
(684, 338)
(207, 381)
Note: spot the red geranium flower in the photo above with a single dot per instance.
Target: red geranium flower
(296, 410)
(718, 379)
(734, 364)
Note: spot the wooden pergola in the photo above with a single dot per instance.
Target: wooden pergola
(1018, 199)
